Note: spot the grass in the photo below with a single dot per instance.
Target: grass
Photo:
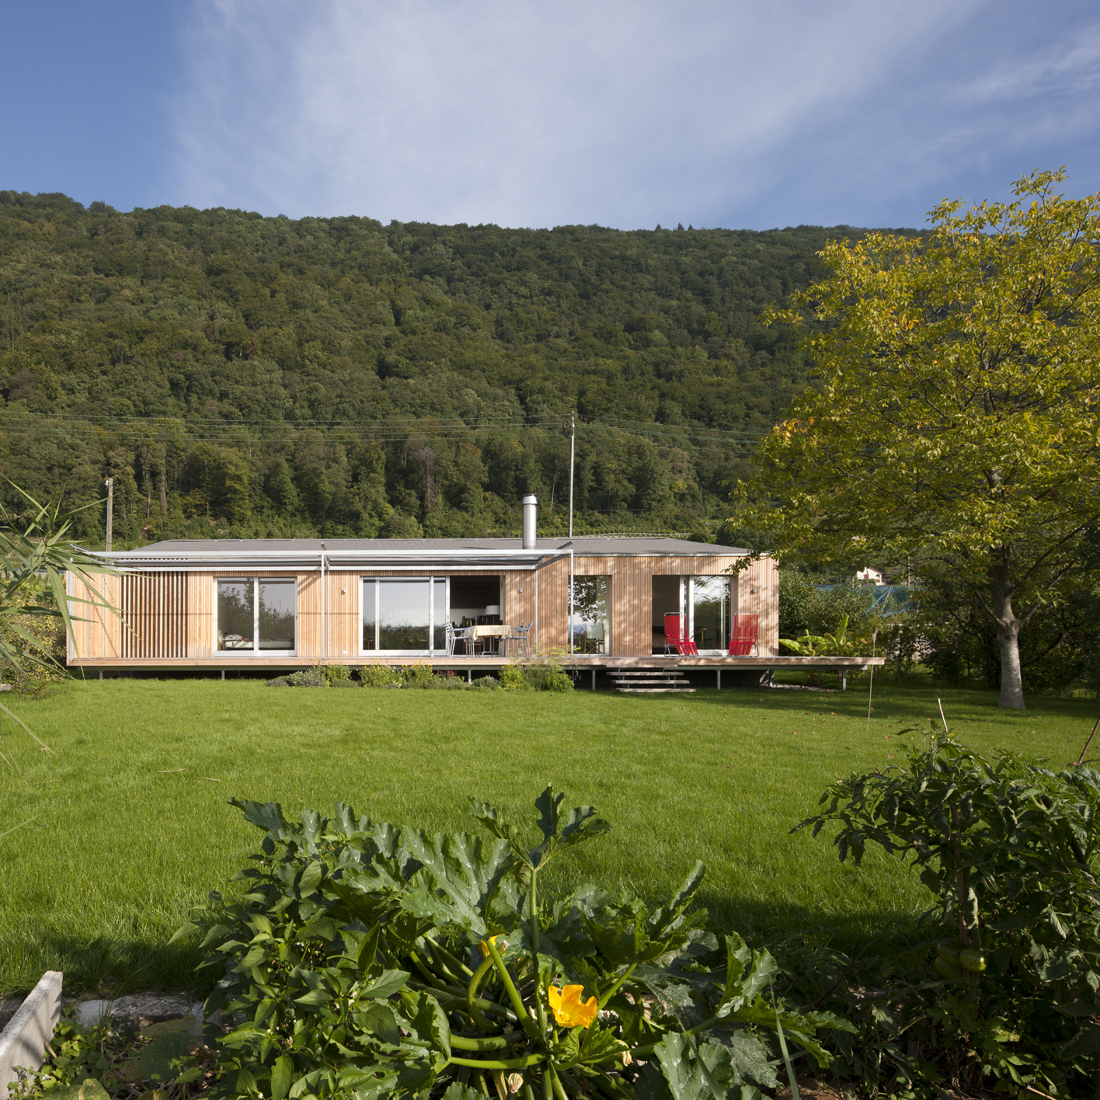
(125, 826)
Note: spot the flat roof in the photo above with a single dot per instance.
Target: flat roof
(191, 555)
(587, 545)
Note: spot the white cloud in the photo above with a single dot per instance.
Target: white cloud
(622, 112)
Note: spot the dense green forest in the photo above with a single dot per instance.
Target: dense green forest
(247, 376)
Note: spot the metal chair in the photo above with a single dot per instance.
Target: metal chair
(674, 636)
(746, 631)
(454, 634)
(521, 635)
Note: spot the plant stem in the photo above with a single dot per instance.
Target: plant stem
(501, 1063)
(451, 965)
(488, 1042)
(616, 986)
(471, 994)
(1081, 758)
(524, 1015)
(555, 1081)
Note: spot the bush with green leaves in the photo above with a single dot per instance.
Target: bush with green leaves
(371, 961)
(379, 676)
(809, 607)
(1006, 992)
(543, 672)
(306, 677)
(485, 683)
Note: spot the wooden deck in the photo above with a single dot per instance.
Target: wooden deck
(590, 663)
(489, 661)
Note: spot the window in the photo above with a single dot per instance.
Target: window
(705, 600)
(257, 615)
(404, 614)
(591, 614)
(710, 613)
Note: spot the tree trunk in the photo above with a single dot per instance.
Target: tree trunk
(1001, 590)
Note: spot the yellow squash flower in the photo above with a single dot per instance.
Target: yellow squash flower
(483, 947)
(569, 1010)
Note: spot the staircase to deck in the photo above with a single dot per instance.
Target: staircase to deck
(639, 681)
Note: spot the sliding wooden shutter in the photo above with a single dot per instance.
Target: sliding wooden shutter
(154, 615)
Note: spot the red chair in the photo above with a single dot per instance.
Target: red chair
(674, 636)
(746, 630)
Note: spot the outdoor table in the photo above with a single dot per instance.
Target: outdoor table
(494, 631)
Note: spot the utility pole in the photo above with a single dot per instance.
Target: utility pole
(110, 483)
(572, 451)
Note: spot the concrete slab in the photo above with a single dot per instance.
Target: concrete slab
(23, 1041)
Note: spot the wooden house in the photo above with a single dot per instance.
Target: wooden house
(289, 603)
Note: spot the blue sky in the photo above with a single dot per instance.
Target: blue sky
(629, 113)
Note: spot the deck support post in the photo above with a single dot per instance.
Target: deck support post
(469, 675)
(101, 674)
(844, 680)
(719, 672)
(593, 679)
(223, 673)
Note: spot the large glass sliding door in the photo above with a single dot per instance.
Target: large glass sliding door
(704, 600)
(710, 613)
(404, 614)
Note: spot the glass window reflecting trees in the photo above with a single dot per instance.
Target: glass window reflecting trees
(257, 615)
(405, 614)
(591, 614)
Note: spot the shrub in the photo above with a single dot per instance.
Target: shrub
(379, 676)
(485, 683)
(307, 678)
(372, 961)
(46, 644)
(334, 673)
(806, 607)
(1007, 992)
(542, 673)
(418, 674)
(512, 678)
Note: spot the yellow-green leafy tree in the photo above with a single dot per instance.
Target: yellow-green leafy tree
(956, 423)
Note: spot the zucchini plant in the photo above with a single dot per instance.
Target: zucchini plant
(366, 961)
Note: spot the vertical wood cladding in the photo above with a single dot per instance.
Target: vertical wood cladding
(154, 608)
(172, 616)
(631, 596)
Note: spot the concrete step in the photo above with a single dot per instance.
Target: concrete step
(646, 691)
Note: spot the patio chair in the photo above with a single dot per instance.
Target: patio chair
(746, 630)
(674, 636)
(454, 634)
(521, 636)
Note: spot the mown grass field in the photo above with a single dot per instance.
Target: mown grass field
(124, 827)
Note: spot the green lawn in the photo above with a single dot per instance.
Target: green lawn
(126, 826)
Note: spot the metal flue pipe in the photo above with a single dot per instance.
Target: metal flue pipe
(530, 510)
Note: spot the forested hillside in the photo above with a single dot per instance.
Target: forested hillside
(253, 376)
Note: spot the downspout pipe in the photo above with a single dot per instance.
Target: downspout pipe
(324, 607)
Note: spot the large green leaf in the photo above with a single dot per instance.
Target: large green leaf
(699, 1071)
(558, 832)
(457, 880)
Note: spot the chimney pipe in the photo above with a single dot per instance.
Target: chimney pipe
(530, 509)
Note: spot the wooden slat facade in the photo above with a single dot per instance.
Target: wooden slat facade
(171, 616)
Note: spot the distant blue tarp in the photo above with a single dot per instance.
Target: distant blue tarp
(890, 599)
(894, 599)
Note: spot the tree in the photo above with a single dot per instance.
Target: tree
(954, 427)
